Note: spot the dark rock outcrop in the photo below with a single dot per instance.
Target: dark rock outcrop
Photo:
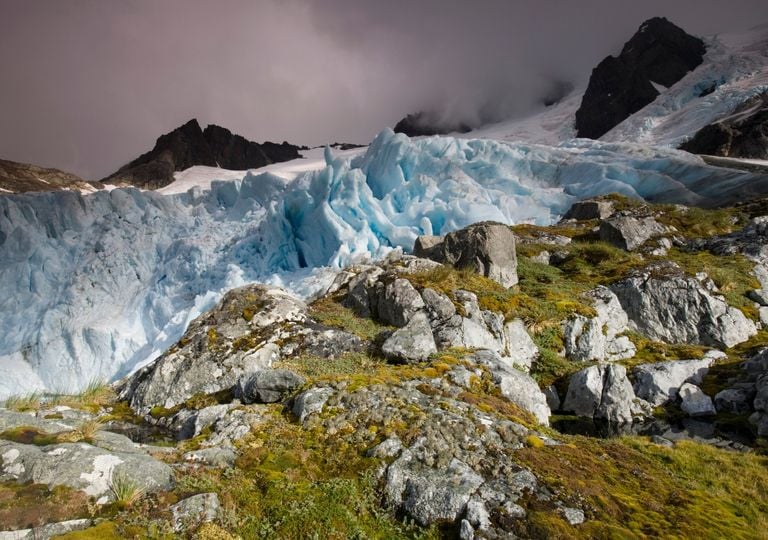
(659, 52)
(743, 134)
(18, 177)
(424, 123)
(189, 145)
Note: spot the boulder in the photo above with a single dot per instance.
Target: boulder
(663, 303)
(427, 246)
(310, 402)
(222, 458)
(50, 530)
(428, 494)
(735, 400)
(660, 382)
(211, 356)
(397, 302)
(193, 511)
(413, 343)
(598, 338)
(358, 297)
(81, 466)
(515, 385)
(439, 307)
(487, 248)
(521, 349)
(590, 209)
(694, 401)
(628, 232)
(268, 386)
(604, 392)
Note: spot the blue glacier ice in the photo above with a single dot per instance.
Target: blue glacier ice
(92, 286)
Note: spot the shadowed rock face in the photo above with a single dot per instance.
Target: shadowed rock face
(189, 145)
(744, 134)
(659, 52)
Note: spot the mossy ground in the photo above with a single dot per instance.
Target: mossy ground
(636, 489)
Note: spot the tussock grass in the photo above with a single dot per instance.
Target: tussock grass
(125, 490)
(24, 402)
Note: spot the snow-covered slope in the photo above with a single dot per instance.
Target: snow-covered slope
(93, 285)
(735, 68)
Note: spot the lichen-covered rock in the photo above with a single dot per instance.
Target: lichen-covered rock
(192, 511)
(665, 304)
(439, 307)
(311, 401)
(660, 382)
(598, 338)
(413, 343)
(50, 530)
(428, 494)
(604, 392)
(81, 466)
(247, 332)
(629, 232)
(268, 386)
(694, 402)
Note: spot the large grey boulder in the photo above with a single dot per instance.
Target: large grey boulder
(590, 209)
(603, 391)
(599, 338)
(628, 232)
(268, 386)
(663, 303)
(81, 466)
(660, 382)
(397, 302)
(694, 402)
(413, 343)
(515, 385)
(488, 248)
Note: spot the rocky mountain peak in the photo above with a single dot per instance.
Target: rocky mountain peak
(190, 145)
(660, 53)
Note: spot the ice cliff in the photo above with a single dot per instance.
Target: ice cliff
(94, 285)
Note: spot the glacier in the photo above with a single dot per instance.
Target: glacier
(94, 286)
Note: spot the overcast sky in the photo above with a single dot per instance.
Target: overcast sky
(87, 85)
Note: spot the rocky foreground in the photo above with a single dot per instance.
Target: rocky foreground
(430, 395)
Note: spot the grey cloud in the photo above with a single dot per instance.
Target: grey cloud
(88, 85)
